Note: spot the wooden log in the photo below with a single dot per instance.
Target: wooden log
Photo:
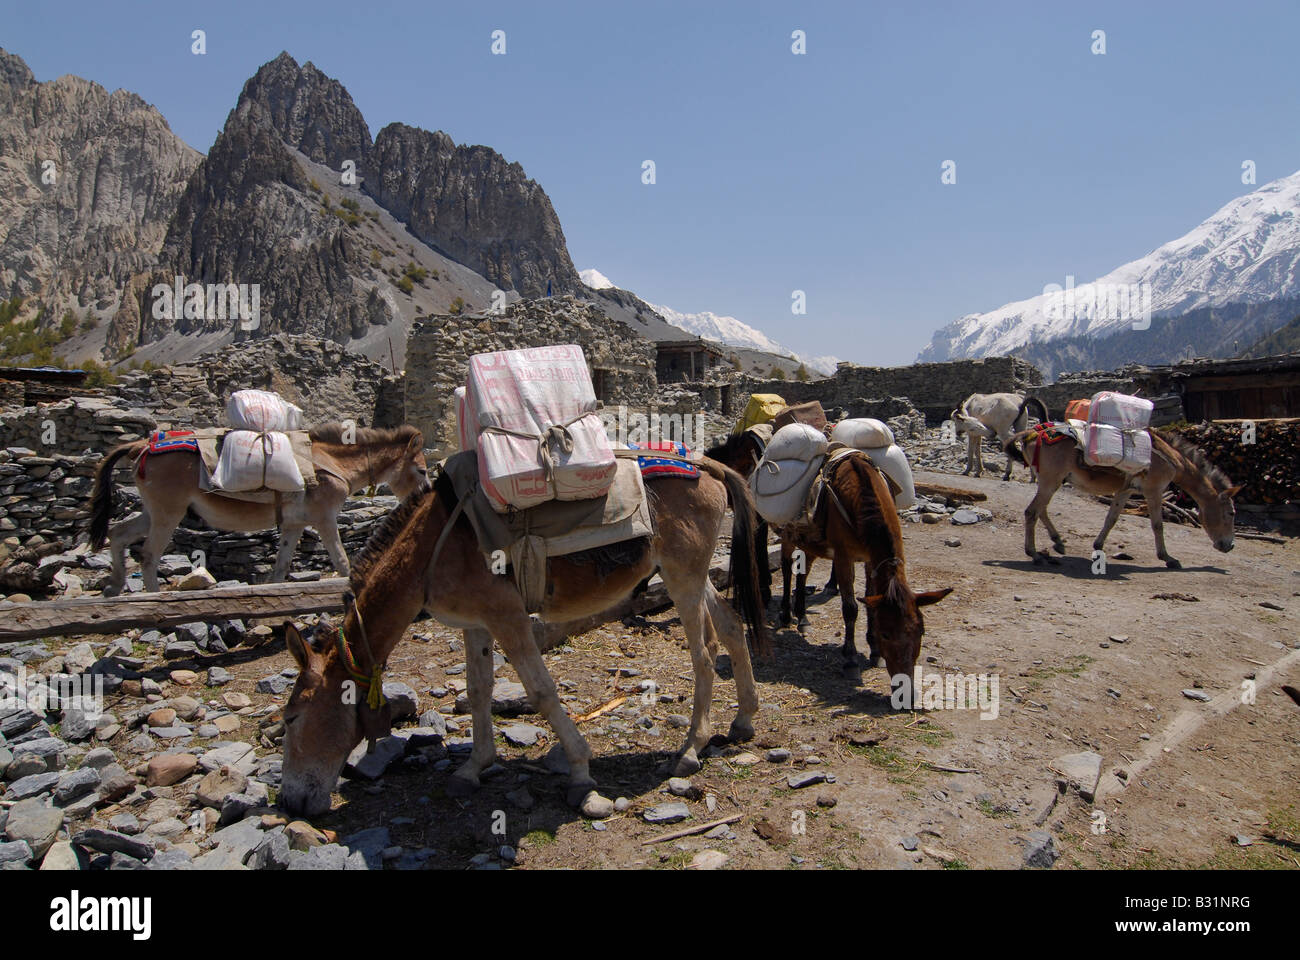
(26, 621)
(952, 493)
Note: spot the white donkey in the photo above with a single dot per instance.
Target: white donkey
(1000, 415)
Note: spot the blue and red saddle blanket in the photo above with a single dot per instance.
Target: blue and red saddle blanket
(653, 467)
(173, 441)
(169, 441)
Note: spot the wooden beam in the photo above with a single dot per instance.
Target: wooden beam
(26, 621)
(102, 615)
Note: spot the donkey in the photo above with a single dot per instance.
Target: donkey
(170, 485)
(856, 521)
(395, 578)
(998, 415)
(1173, 460)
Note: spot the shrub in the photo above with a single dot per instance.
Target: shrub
(405, 285)
(776, 373)
(457, 305)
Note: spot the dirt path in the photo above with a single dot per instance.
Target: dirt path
(1083, 662)
(1065, 686)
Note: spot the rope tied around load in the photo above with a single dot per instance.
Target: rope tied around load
(557, 435)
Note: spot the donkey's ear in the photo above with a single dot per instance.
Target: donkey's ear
(933, 596)
(873, 601)
(415, 445)
(1231, 491)
(296, 644)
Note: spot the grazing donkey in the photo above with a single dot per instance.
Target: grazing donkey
(998, 415)
(1173, 460)
(170, 486)
(395, 578)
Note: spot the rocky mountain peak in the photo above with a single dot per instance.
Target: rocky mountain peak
(309, 111)
(14, 70)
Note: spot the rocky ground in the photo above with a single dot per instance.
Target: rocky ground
(1121, 737)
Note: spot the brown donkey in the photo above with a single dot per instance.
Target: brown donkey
(327, 715)
(170, 486)
(856, 522)
(1173, 460)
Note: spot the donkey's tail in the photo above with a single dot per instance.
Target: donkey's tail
(1013, 449)
(101, 497)
(1293, 693)
(744, 554)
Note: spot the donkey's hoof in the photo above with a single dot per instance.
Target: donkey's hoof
(740, 731)
(462, 785)
(1059, 547)
(687, 763)
(1173, 564)
(576, 793)
(111, 591)
(1038, 558)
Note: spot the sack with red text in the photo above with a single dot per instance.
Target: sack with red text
(532, 414)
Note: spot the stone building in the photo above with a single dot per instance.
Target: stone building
(688, 360)
(438, 349)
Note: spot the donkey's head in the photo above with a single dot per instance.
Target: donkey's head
(410, 469)
(899, 624)
(323, 720)
(1218, 515)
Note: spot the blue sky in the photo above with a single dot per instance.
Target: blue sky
(778, 172)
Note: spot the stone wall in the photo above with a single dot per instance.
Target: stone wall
(321, 376)
(438, 349)
(934, 388)
(77, 425)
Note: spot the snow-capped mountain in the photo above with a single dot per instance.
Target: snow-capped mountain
(719, 329)
(1246, 253)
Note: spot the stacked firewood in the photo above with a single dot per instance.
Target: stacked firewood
(1268, 469)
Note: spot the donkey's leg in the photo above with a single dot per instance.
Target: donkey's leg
(970, 455)
(833, 584)
(801, 596)
(849, 608)
(161, 528)
(690, 603)
(289, 536)
(979, 455)
(120, 536)
(478, 687)
(329, 535)
(1038, 508)
(873, 586)
(1156, 511)
(727, 625)
(1117, 503)
(764, 568)
(787, 553)
(515, 635)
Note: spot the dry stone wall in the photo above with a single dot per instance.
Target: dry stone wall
(933, 388)
(622, 362)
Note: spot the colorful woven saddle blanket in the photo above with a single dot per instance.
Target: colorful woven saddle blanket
(1048, 434)
(173, 441)
(665, 458)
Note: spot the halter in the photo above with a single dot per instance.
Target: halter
(888, 561)
(372, 682)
